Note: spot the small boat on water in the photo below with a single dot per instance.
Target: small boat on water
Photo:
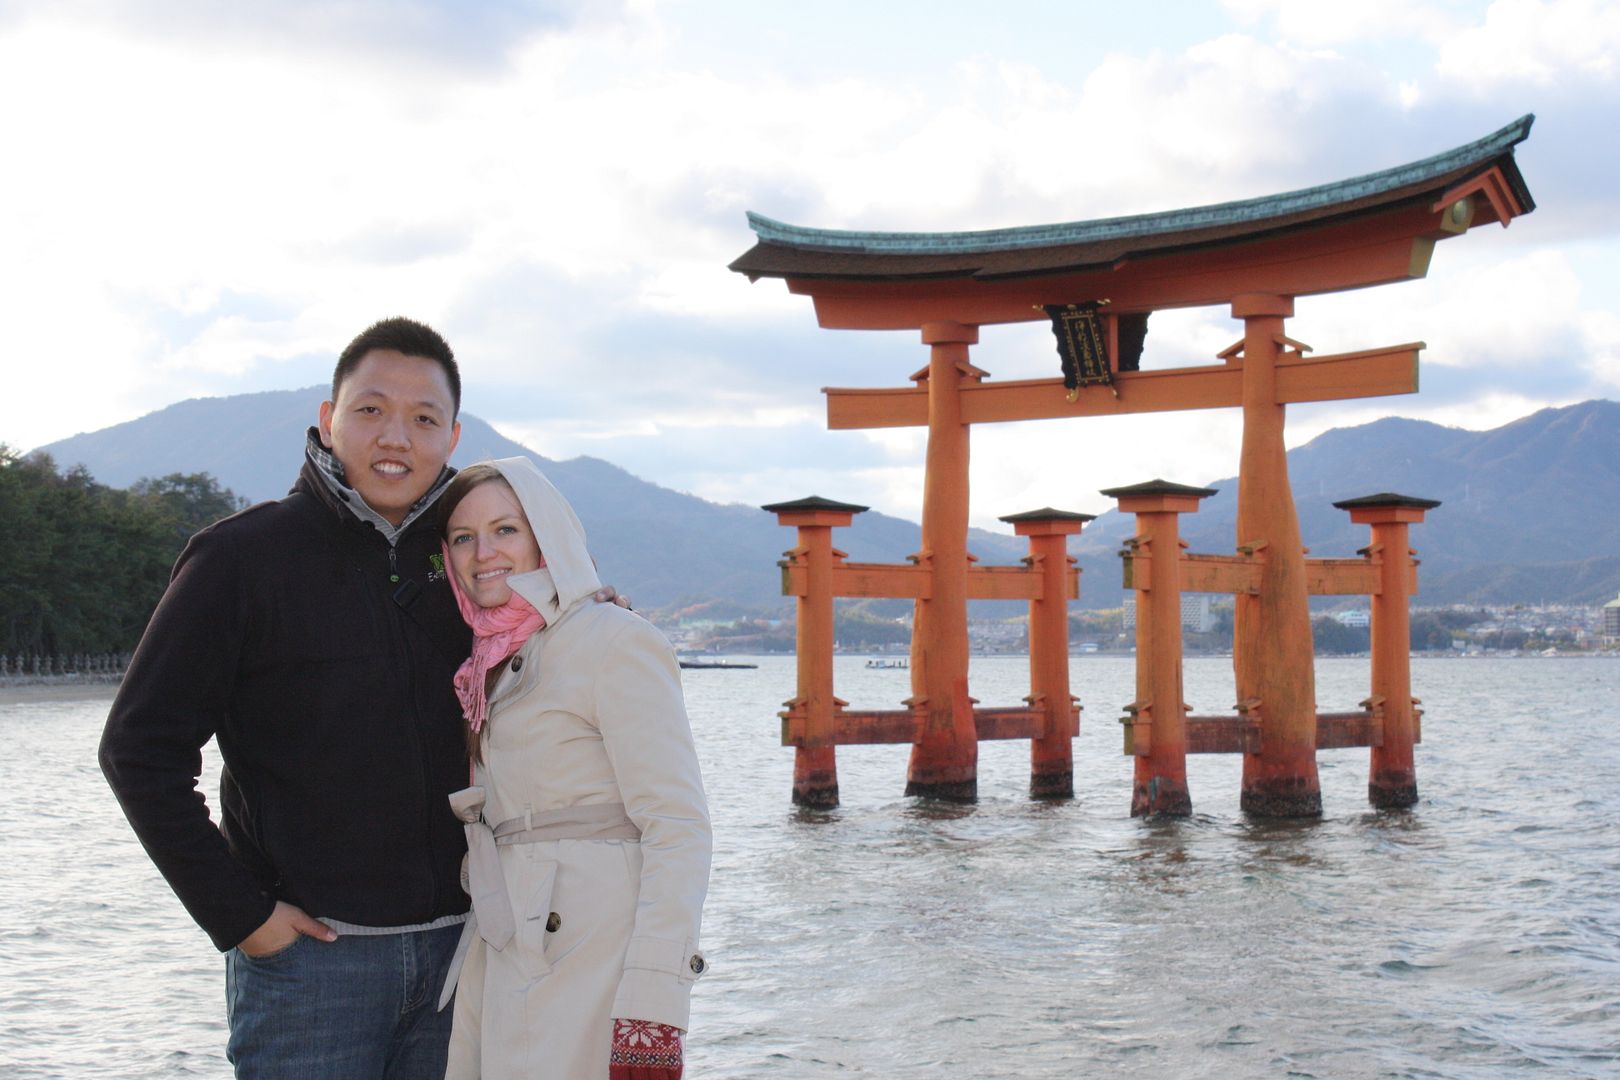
(897, 662)
(714, 664)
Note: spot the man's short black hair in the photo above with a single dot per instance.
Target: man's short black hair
(403, 335)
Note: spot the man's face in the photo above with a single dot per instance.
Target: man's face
(393, 427)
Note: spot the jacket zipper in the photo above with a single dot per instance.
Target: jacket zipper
(424, 773)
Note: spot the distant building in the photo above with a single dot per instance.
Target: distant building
(1360, 617)
(1195, 612)
(1611, 622)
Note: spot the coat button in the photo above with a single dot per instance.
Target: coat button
(517, 663)
(553, 922)
(698, 964)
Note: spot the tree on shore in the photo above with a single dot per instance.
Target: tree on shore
(1331, 637)
(84, 563)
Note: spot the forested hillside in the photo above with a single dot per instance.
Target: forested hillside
(85, 563)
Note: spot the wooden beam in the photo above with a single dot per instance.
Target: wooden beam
(1341, 577)
(900, 581)
(1012, 722)
(903, 581)
(1234, 574)
(1228, 574)
(854, 727)
(857, 727)
(1340, 729)
(1015, 583)
(1340, 376)
(1222, 735)
(860, 409)
(1240, 735)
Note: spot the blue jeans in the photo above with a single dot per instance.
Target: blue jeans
(358, 1008)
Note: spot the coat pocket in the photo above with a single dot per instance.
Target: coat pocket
(534, 914)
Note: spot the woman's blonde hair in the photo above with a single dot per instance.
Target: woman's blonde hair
(459, 488)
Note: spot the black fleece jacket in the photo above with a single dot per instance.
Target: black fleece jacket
(328, 686)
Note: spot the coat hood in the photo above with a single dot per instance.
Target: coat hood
(569, 576)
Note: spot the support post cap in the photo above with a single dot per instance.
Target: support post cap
(1251, 305)
(814, 510)
(947, 332)
(1387, 499)
(1046, 521)
(1158, 497)
(1386, 507)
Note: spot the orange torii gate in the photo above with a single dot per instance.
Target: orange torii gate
(1253, 256)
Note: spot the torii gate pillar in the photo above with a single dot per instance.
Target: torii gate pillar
(1272, 654)
(945, 757)
(815, 759)
(1051, 756)
(1160, 784)
(1393, 780)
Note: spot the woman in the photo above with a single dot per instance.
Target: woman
(587, 829)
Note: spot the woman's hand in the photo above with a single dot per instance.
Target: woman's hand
(281, 929)
(643, 1050)
(608, 594)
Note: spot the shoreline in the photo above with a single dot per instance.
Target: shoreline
(75, 690)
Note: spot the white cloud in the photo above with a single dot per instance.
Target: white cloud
(1601, 330)
(894, 491)
(1534, 42)
(562, 197)
(234, 345)
(897, 444)
(570, 436)
(1515, 315)
(1505, 336)
(1312, 23)
(1067, 463)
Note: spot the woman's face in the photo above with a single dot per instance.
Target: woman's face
(490, 540)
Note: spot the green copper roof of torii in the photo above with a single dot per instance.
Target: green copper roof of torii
(1244, 212)
(1157, 487)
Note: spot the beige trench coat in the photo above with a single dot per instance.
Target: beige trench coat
(589, 712)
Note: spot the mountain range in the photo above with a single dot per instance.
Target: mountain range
(1529, 510)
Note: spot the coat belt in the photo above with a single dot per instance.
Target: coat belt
(492, 917)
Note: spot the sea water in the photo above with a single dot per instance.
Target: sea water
(1476, 935)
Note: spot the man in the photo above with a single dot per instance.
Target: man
(316, 639)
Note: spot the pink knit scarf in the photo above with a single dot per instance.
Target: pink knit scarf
(498, 632)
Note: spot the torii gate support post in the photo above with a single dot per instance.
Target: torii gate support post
(945, 757)
(1392, 781)
(1158, 725)
(1051, 756)
(1272, 655)
(815, 762)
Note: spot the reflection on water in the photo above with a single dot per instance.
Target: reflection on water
(938, 810)
(1476, 935)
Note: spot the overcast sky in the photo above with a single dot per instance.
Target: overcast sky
(203, 199)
